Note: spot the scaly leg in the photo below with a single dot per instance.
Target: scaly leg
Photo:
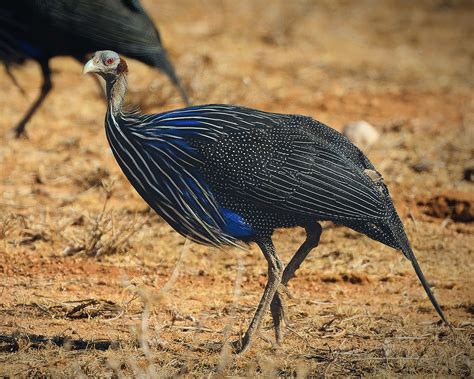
(13, 79)
(275, 269)
(277, 307)
(45, 89)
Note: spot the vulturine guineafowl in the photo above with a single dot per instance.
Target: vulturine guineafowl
(43, 29)
(222, 175)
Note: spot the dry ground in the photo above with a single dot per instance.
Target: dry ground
(83, 262)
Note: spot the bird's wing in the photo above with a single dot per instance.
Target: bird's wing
(292, 163)
(305, 176)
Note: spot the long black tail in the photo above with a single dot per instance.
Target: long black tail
(392, 233)
(400, 236)
(411, 256)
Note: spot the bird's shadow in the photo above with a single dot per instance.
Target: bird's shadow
(11, 343)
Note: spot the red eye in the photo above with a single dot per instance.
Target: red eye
(109, 61)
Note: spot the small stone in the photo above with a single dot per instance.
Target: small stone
(361, 133)
(422, 165)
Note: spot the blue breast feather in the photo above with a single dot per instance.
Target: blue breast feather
(173, 134)
(235, 225)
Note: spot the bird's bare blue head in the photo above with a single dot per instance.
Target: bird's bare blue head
(107, 64)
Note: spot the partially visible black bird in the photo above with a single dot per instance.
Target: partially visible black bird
(43, 29)
(222, 174)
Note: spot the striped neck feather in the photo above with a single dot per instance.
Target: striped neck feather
(116, 90)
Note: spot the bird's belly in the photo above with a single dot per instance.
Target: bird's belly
(257, 218)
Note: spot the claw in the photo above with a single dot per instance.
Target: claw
(241, 345)
(286, 290)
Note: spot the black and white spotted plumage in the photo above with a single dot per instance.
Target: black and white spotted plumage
(264, 163)
(269, 170)
(223, 174)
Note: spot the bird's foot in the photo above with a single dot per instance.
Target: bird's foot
(274, 344)
(278, 329)
(278, 309)
(284, 289)
(242, 344)
(19, 132)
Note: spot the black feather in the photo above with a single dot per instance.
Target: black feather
(271, 170)
(44, 29)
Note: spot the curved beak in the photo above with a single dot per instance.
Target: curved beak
(89, 67)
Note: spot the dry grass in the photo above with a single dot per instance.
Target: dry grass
(92, 284)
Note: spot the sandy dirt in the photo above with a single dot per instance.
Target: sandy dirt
(94, 284)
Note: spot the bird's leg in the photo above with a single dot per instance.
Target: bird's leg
(277, 306)
(13, 79)
(313, 234)
(275, 270)
(45, 88)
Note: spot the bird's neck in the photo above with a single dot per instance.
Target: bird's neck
(116, 90)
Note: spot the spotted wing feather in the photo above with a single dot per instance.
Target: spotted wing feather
(292, 163)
